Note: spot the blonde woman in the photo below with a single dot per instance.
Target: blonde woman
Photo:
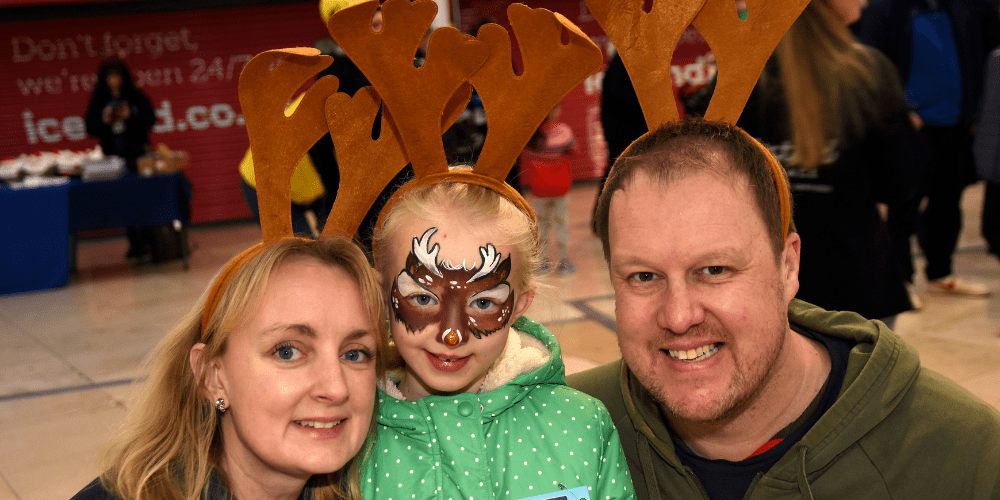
(274, 399)
(832, 111)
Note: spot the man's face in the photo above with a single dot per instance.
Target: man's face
(701, 301)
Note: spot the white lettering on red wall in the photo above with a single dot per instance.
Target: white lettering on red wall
(188, 63)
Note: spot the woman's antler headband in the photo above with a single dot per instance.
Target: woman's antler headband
(646, 42)
(417, 105)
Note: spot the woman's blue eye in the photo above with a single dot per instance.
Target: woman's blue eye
(286, 352)
(357, 355)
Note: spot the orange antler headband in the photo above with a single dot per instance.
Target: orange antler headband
(515, 105)
(417, 104)
(646, 43)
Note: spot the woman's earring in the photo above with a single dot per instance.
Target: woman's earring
(220, 404)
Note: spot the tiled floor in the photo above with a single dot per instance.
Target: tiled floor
(68, 356)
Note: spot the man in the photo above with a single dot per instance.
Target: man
(730, 388)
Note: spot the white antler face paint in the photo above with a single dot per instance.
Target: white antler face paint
(461, 301)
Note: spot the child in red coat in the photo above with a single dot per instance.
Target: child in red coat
(545, 164)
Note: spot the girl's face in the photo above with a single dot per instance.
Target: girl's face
(452, 298)
(298, 377)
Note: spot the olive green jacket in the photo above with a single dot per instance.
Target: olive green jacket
(897, 430)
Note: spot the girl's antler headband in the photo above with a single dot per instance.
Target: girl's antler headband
(741, 48)
(417, 105)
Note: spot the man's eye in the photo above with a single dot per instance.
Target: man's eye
(422, 300)
(715, 270)
(286, 352)
(644, 276)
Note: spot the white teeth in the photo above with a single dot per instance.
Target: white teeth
(317, 425)
(695, 354)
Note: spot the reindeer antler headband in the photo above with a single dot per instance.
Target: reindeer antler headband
(417, 104)
(646, 43)
(515, 105)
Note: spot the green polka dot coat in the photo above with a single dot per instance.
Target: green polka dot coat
(532, 438)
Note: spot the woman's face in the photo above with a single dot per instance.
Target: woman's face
(114, 81)
(452, 298)
(848, 11)
(299, 376)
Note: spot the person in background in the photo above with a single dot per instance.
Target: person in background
(832, 112)
(939, 50)
(729, 388)
(273, 398)
(545, 162)
(120, 116)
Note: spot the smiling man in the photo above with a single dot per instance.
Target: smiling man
(728, 387)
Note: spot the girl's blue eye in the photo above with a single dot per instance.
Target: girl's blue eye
(482, 304)
(423, 300)
(357, 355)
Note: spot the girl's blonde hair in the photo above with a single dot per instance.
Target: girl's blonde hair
(474, 203)
(171, 441)
(829, 82)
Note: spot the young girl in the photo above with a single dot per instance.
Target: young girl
(546, 162)
(477, 407)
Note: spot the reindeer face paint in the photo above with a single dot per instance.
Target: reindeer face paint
(462, 300)
(451, 304)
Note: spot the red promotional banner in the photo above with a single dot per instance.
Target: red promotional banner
(188, 63)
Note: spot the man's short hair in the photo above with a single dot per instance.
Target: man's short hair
(677, 149)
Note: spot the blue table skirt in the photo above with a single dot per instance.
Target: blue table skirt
(130, 201)
(34, 230)
(35, 224)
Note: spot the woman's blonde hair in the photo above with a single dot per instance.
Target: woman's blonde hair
(171, 441)
(469, 201)
(828, 83)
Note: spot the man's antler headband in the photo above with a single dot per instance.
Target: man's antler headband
(417, 105)
(646, 43)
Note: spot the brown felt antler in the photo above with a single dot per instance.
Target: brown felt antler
(646, 43)
(742, 48)
(416, 97)
(516, 105)
(368, 165)
(277, 142)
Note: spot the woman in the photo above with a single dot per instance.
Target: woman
(832, 111)
(273, 399)
(120, 116)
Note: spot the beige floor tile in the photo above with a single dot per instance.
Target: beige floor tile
(956, 359)
(51, 444)
(605, 306)
(575, 364)
(5, 492)
(28, 366)
(588, 340)
(986, 386)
